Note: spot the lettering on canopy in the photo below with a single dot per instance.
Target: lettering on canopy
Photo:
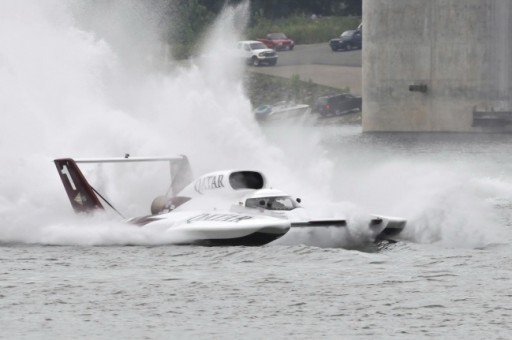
(219, 218)
(209, 182)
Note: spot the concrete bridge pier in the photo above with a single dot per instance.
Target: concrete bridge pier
(437, 65)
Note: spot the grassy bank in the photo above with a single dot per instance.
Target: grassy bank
(304, 30)
(266, 89)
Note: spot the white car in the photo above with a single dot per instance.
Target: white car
(257, 53)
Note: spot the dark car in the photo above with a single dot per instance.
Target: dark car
(338, 104)
(347, 41)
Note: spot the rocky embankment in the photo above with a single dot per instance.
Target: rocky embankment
(268, 89)
(306, 73)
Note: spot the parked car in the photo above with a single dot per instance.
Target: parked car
(278, 41)
(348, 40)
(256, 53)
(338, 104)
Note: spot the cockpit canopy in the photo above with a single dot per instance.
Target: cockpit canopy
(226, 183)
(246, 180)
(272, 203)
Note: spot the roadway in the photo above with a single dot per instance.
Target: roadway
(316, 62)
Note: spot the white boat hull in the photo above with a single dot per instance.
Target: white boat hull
(218, 228)
(281, 111)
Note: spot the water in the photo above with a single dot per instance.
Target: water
(406, 291)
(67, 90)
(455, 282)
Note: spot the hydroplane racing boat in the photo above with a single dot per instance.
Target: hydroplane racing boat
(230, 207)
(203, 227)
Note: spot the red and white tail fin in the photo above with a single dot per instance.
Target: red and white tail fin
(84, 198)
(80, 193)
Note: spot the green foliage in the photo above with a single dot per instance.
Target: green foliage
(304, 30)
(293, 17)
(275, 9)
(193, 20)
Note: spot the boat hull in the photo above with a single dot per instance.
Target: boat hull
(259, 238)
(388, 227)
(281, 111)
(217, 229)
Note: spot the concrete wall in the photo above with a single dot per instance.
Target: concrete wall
(459, 49)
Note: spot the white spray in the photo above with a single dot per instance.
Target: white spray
(69, 92)
(77, 87)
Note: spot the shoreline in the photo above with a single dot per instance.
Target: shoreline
(337, 77)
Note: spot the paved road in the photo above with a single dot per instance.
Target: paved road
(319, 54)
(319, 64)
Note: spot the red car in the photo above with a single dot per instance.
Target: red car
(278, 41)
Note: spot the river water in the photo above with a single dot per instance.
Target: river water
(449, 277)
(76, 81)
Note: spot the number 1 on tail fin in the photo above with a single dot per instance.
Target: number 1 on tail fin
(80, 193)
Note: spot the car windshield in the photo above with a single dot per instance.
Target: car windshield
(272, 203)
(258, 46)
(277, 36)
(347, 34)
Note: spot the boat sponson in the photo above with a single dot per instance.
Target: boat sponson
(392, 229)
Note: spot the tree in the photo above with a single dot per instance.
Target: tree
(274, 9)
